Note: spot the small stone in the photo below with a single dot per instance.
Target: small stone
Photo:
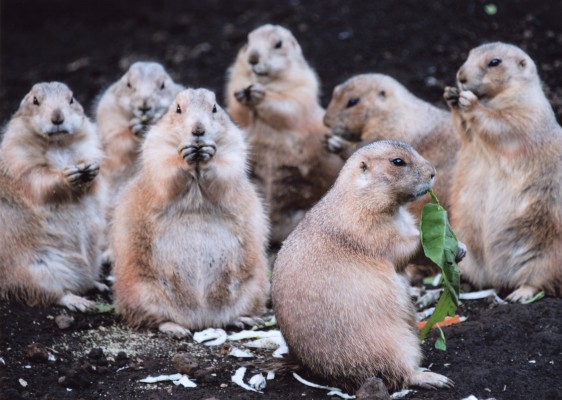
(95, 353)
(36, 352)
(185, 364)
(372, 389)
(64, 321)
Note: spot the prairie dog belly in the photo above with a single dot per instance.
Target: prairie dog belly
(198, 253)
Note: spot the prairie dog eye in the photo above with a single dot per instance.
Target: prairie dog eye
(495, 62)
(35, 101)
(363, 166)
(129, 85)
(163, 86)
(178, 109)
(215, 108)
(398, 162)
(71, 100)
(353, 101)
(279, 44)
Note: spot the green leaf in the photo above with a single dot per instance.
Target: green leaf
(490, 9)
(441, 246)
(103, 308)
(441, 343)
(536, 297)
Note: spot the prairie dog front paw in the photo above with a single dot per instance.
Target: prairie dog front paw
(251, 95)
(82, 173)
(451, 96)
(467, 100)
(197, 152)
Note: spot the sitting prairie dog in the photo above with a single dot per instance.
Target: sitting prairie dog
(189, 233)
(343, 309)
(52, 210)
(125, 112)
(507, 196)
(372, 107)
(272, 93)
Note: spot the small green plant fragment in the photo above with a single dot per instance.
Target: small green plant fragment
(104, 308)
(441, 246)
(490, 9)
(441, 343)
(536, 297)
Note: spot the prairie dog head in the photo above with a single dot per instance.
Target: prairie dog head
(145, 91)
(360, 99)
(51, 111)
(495, 68)
(270, 52)
(386, 174)
(198, 126)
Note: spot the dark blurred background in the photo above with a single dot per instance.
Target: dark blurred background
(89, 44)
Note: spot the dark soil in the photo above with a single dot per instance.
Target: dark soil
(502, 352)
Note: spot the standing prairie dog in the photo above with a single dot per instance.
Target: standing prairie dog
(372, 107)
(343, 309)
(190, 233)
(507, 196)
(272, 93)
(125, 111)
(52, 204)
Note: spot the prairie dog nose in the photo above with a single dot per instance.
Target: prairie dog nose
(461, 77)
(198, 129)
(145, 107)
(57, 117)
(254, 58)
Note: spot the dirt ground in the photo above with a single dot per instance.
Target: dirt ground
(501, 352)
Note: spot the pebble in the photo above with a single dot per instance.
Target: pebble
(372, 389)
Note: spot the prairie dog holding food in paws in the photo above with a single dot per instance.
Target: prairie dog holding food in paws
(372, 107)
(53, 203)
(190, 232)
(507, 196)
(125, 112)
(343, 309)
(272, 93)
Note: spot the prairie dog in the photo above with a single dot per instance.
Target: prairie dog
(372, 107)
(125, 111)
(507, 196)
(343, 309)
(272, 93)
(53, 203)
(190, 232)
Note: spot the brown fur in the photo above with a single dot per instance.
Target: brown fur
(122, 122)
(372, 107)
(51, 200)
(342, 307)
(189, 232)
(276, 102)
(507, 195)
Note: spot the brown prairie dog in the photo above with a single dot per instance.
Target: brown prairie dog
(125, 111)
(50, 157)
(190, 233)
(272, 93)
(507, 197)
(372, 107)
(342, 307)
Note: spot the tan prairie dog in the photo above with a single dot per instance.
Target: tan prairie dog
(343, 309)
(507, 196)
(125, 111)
(190, 232)
(372, 107)
(51, 208)
(272, 93)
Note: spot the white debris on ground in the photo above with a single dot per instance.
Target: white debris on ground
(256, 385)
(210, 337)
(236, 352)
(401, 394)
(176, 379)
(23, 382)
(332, 391)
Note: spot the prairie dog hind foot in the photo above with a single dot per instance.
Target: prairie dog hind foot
(174, 330)
(430, 380)
(76, 303)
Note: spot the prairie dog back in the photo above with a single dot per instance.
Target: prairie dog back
(372, 107)
(335, 278)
